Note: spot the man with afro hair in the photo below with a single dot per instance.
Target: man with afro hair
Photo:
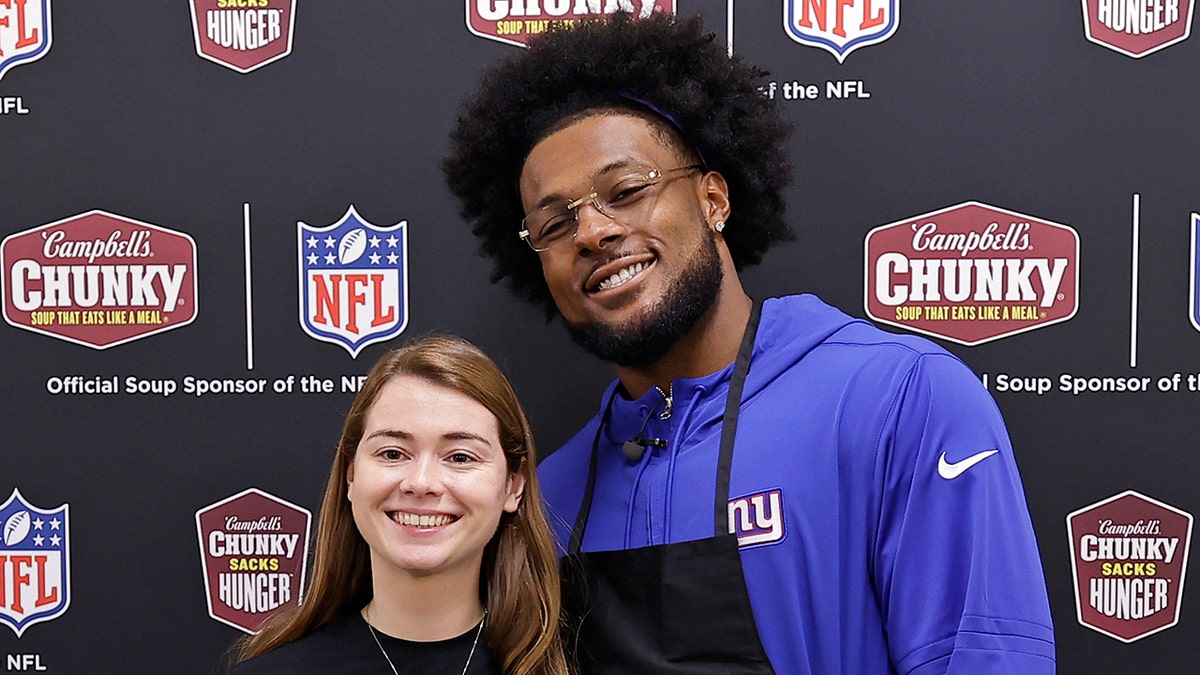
(620, 173)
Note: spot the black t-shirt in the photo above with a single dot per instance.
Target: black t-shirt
(345, 647)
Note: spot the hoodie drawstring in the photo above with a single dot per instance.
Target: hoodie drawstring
(674, 447)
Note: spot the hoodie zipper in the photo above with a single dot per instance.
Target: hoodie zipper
(668, 398)
(675, 436)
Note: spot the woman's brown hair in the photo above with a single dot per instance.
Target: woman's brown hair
(519, 580)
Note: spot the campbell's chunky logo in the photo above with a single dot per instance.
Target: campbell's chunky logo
(972, 273)
(243, 34)
(353, 281)
(1137, 27)
(24, 32)
(35, 580)
(514, 21)
(254, 548)
(99, 279)
(840, 26)
(1129, 555)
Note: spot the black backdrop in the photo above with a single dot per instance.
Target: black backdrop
(1008, 104)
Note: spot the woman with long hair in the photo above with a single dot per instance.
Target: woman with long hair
(432, 554)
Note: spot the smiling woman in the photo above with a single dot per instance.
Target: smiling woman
(428, 486)
(432, 548)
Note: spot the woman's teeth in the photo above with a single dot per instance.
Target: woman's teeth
(414, 520)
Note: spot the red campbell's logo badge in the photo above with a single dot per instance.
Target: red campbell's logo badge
(99, 279)
(1129, 558)
(972, 273)
(254, 549)
(243, 34)
(514, 21)
(1137, 27)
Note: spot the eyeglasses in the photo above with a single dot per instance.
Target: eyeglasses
(625, 193)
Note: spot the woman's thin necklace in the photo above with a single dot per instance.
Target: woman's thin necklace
(474, 643)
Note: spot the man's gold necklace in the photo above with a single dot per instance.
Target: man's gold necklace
(466, 665)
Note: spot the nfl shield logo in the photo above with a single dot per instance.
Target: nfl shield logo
(353, 281)
(840, 26)
(24, 32)
(1195, 273)
(34, 563)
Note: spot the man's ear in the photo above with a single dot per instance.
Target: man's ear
(714, 199)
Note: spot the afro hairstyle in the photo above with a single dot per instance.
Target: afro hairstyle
(660, 67)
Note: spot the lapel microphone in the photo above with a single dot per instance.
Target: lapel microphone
(635, 447)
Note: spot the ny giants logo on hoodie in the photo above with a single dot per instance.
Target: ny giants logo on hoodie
(758, 518)
(972, 273)
(514, 21)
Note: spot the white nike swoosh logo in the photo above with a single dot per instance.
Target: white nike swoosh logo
(951, 471)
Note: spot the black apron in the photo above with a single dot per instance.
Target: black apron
(672, 608)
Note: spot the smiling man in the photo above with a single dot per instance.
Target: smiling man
(620, 173)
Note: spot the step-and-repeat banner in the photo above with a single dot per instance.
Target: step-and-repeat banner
(216, 214)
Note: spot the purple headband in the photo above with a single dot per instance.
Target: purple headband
(666, 116)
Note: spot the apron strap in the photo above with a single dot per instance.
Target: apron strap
(733, 403)
(576, 543)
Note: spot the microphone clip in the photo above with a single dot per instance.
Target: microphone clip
(636, 447)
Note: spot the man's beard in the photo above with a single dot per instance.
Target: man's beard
(648, 337)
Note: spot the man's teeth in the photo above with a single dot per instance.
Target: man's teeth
(415, 520)
(621, 277)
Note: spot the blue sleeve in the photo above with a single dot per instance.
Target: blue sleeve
(956, 564)
(562, 477)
